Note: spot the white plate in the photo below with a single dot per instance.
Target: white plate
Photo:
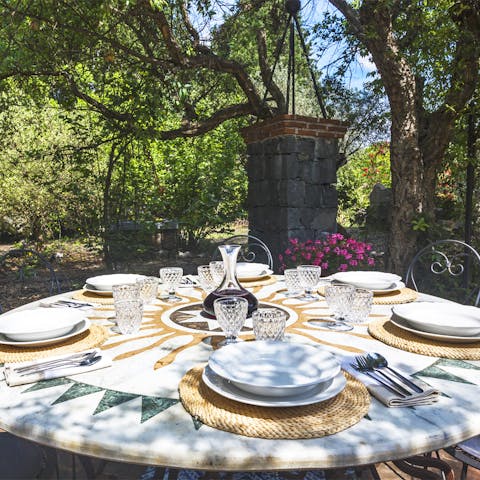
(266, 273)
(77, 330)
(380, 281)
(102, 293)
(441, 318)
(393, 288)
(318, 393)
(404, 325)
(106, 282)
(273, 369)
(252, 271)
(39, 323)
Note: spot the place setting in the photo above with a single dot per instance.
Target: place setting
(99, 289)
(387, 288)
(444, 329)
(269, 387)
(37, 333)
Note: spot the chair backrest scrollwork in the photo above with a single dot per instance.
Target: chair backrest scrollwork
(448, 268)
(252, 249)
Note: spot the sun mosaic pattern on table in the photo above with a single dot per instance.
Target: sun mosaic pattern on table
(165, 322)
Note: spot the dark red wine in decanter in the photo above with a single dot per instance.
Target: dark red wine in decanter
(229, 287)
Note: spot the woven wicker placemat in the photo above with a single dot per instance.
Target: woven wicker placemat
(86, 296)
(309, 421)
(95, 336)
(385, 331)
(404, 295)
(270, 280)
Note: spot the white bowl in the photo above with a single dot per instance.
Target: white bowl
(369, 280)
(39, 323)
(274, 368)
(441, 318)
(106, 282)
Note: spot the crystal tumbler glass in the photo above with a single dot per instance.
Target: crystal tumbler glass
(218, 271)
(130, 291)
(129, 315)
(309, 276)
(231, 313)
(171, 277)
(339, 299)
(148, 287)
(360, 306)
(205, 278)
(269, 324)
(292, 282)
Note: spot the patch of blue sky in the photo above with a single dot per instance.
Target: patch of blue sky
(311, 13)
(361, 67)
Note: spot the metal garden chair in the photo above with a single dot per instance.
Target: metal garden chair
(451, 269)
(447, 268)
(27, 275)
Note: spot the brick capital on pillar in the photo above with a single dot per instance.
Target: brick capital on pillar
(292, 171)
(300, 125)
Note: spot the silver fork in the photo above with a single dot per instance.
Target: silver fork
(362, 366)
(370, 364)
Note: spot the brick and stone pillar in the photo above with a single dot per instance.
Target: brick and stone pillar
(292, 169)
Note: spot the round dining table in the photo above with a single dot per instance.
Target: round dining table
(131, 411)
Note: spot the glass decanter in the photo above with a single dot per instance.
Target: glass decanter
(229, 286)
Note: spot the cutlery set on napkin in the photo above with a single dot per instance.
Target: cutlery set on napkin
(388, 385)
(65, 302)
(20, 373)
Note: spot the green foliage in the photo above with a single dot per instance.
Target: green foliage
(356, 179)
(201, 182)
(47, 185)
(420, 224)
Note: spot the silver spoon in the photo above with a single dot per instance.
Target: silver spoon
(379, 361)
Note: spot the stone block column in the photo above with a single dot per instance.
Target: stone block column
(292, 171)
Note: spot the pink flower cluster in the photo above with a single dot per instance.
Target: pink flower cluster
(335, 253)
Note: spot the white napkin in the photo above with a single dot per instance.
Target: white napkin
(390, 399)
(14, 378)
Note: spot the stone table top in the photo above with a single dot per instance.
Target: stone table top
(131, 411)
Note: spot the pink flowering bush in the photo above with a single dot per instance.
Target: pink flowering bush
(335, 253)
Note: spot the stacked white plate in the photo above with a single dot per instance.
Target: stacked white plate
(449, 322)
(378, 282)
(103, 284)
(41, 326)
(247, 271)
(274, 374)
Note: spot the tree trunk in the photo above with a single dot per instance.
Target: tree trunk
(408, 197)
(418, 139)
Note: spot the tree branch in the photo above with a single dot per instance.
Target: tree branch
(266, 72)
(100, 107)
(207, 59)
(192, 129)
(350, 14)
